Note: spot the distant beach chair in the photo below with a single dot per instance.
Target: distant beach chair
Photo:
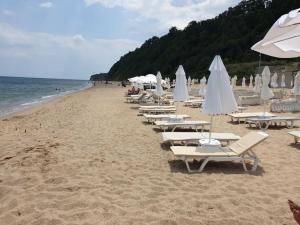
(265, 122)
(296, 135)
(186, 138)
(155, 109)
(190, 124)
(150, 118)
(239, 151)
(243, 116)
(135, 98)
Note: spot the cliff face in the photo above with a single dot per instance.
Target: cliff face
(231, 34)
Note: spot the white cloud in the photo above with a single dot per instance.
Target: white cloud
(46, 5)
(167, 12)
(39, 53)
(7, 12)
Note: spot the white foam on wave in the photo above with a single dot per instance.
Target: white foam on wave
(30, 103)
(48, 96)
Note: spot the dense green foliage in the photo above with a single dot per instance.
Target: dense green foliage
(231, 34)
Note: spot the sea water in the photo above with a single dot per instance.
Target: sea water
(17, 93)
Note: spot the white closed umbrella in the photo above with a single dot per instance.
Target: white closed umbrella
(266, 92)
(256, 88)
(292, 83)
(283, 39)
(244, 82)
(159, 90)
(180, 91)
(274, 78)
(219, 98)
(282, 84)
(202, 90)
(189, 82)
(296, 89)
(251, 82)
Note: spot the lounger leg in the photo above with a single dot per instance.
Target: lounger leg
(203, 165)
(244, 165)
(188, 166)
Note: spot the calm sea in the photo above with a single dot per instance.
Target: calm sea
(17, 93)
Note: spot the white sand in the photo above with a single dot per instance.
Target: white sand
(88, 159)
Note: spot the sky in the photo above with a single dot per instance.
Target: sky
(74, 39)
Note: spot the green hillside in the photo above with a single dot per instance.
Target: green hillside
(231, 34)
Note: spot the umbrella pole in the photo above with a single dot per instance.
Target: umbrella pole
(176, 109)
(210, 129)
(264, 107)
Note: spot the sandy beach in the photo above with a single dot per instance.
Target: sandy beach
(88, 159)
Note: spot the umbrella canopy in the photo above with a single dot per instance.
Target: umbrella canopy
(266, 92)
(283, 39)
(251, 82)
(296, 89)
(257, 82)
(274, 78)
(202, 90)
(282, 84)
(233, 82)
(159, 89)
(180, 91)
(244, 82)
(219, 97)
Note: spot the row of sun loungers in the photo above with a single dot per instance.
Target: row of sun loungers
(186, 146)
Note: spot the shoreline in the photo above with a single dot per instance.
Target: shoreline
(23, 108)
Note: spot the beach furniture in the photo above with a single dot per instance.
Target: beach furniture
(188, 124)
(157, 109)
(243, 116)
(239, 151)
(262, 122)
(135, 98)
(296, 135)
(151, 118)
(186, 138)
(193, 101)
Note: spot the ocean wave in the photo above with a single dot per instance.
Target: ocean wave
(30, 103)
(48, 96)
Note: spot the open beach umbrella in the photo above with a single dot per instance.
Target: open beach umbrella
(274, 78)
(283, 39)
(219, 98)
(282, 84)
(266, 92)
(257, 81)
(251, 82)
(244, 82)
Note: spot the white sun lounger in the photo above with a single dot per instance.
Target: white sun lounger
(157, 110)
(239, 151)
(243, 116)
(186, 138)
(164, 125)
(190, 102)
(150, 118)
(296, 135)
(265, 122)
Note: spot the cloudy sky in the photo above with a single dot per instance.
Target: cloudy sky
(76, 38)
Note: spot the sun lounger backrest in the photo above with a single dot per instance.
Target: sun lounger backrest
(247, 142)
